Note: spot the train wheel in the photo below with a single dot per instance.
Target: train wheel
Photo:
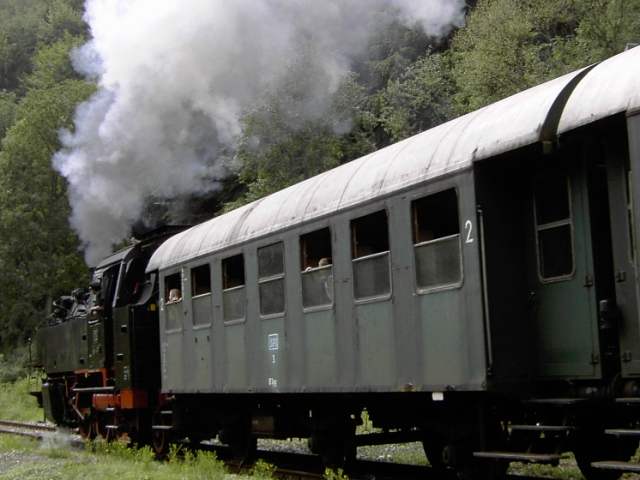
(595, 447)
(139, 429)
(87, 428)
(243, 445)
(433, 447)
(102, 423)
(161, 438)
(160, 443)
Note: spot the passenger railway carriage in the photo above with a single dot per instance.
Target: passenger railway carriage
(474, 287)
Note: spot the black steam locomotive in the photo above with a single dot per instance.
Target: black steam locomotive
(474, 287)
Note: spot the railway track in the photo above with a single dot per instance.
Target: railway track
(26, 429)
(289, 465)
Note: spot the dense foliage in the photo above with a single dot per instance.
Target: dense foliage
(404, 83)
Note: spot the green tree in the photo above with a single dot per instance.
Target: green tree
(8, 103)
(420, 99)
(290, 137)
(39, 255)
(51, 64)
(510, 45)
(26, 24)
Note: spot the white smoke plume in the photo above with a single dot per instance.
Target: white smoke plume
(175, 77)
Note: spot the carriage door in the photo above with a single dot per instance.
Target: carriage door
(561, 278)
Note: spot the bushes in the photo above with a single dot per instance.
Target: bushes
(16, 403)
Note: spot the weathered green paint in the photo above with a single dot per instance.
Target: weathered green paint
(201, 376)
(96, 343)
(122, 347)
(320, 348)
(63, 347)
(172, 361)
(565, 316)
(376, 353)
(236, 365)
(444, 338)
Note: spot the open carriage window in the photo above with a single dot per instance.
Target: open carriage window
(173, 288)
(554, 229)
(233, 291)
(200, 280)
(317, 268)
(436, 238)
(271, 279)
(201, 295)
(173, 301)
(370, 254)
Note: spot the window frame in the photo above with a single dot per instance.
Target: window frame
(551, 225)
(191, 271)
(376, 298)
(177, 304)
(327, 306)
(448, 286)
(243, 319)
(631, 219)
(272, 278)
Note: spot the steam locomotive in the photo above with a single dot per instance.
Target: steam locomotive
(474, 287)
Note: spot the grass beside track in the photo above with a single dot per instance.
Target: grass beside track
(16, 403)
(26, 459)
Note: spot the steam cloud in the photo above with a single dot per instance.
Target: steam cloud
(175, 78)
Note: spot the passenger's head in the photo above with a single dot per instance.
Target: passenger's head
(174, 295)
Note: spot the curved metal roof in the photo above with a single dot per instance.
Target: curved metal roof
(612, 86)
(511, 123)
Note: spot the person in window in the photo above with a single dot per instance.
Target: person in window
(174, 295)
(327, 278)
(324, 262)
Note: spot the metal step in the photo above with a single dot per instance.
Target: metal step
(629, 400)
(519, 456)
(542, 428)
(112, 427)
(110, 409)
(161, 427)
(93, 389)
(560, 402)
(622, 432)
(619, 466)
(166, 412)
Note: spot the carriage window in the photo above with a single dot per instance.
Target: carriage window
(200, 280)
(271, 279)
(173, 288)
(200, 291)
(436, 238)
(173, 301)
(233, 293)
(553, 225)
(370, 254)
(317, 268)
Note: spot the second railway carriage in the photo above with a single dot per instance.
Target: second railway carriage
(474, 286)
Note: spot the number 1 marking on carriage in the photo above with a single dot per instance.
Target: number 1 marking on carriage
(468, 226)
